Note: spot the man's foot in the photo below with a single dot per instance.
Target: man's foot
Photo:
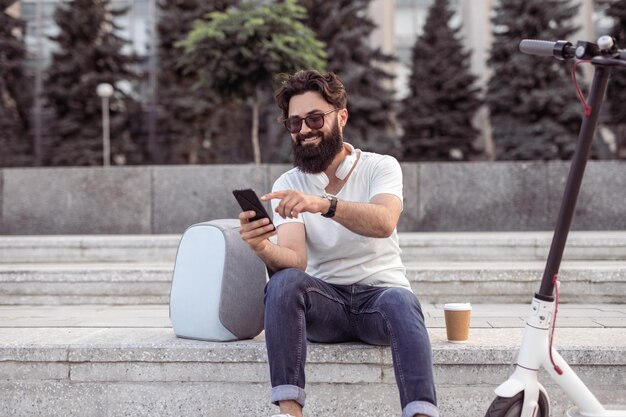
(282, 415)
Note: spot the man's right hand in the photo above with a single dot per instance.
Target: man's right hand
(255, 233)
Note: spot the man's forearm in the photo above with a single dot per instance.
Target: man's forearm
(366, 219)
(279, 257)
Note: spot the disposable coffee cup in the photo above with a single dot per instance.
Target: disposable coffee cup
(457, 321)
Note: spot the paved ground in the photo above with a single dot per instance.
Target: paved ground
(483, 316)
(600, 324)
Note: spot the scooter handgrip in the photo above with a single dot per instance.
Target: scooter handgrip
(536, 47)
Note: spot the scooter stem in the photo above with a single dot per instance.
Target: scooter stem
(574, 180)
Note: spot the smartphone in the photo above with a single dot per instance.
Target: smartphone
(248, 200)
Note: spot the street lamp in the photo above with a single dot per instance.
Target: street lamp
(105, 91)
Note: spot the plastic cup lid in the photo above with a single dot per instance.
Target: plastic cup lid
(457, 306)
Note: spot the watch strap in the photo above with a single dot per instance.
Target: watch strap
(333, 206)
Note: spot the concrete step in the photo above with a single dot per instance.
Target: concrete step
(149, 283)
(85, 283)
(510, 282)
(464, 246)
(511, 246)
(125, 360)
(88, 248)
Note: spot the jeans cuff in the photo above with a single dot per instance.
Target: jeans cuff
(288, 393)
(420, 407)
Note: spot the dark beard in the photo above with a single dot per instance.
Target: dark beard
(315, 159)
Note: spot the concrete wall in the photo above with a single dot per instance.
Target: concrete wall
(438, 197)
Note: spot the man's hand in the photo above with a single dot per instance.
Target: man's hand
(257, 232)
(292, 203)
(290, 250)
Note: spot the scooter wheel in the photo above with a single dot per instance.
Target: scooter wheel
(512, 407)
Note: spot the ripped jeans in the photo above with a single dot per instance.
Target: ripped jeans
(300, 307)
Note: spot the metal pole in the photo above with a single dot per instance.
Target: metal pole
(574, 179)
(105, 91)
(106, 139)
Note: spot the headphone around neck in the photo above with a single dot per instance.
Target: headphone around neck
(322, 181)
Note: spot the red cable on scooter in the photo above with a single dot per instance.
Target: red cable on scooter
(556, 310)
(581, 96)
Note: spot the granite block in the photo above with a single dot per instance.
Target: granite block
(343, 373)
(169, 372)
(215, 372)
(77, 200)
(56, 399)
(452, 375)
(358, 353)
(69, 288)
(161, 345)
(483, 196)
(85, 273)
(275, 171)
(88, 248)
(186, 195)
(14, 371)
(25, 353)
(410, 213)
(475, 196)
(600, 204)
(83, 299)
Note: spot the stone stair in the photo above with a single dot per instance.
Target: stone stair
(84, 330)
(475, 267)
(62, 361)
(427, 246)
(434, 282)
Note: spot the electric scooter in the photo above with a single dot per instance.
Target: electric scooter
(522, 395)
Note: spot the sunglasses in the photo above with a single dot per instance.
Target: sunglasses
(314, 121)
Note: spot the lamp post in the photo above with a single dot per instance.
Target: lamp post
(105, 91)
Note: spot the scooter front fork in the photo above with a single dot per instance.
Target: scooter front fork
(534, 354)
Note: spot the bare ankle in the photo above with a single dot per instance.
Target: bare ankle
(290, 407)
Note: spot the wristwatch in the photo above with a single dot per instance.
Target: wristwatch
(333, 205)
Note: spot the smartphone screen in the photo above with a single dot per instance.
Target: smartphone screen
(248, 200)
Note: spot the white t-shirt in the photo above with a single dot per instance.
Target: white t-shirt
(335, 254)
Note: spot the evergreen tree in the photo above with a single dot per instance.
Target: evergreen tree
(238, 53)
(194, 126)
(15, 91)
(345, 28)
(535, 112)
(436, 115)
(616, 93)
(89, 53)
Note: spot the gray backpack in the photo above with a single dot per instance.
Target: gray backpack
(218, 284)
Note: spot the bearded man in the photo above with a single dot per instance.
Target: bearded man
(337, 272)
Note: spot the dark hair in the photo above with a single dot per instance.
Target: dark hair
(328, 85)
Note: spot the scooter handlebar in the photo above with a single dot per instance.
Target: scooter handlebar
(536, 47)
(582, 50)
(558, 49)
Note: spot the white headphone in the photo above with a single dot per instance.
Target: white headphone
(322, 181)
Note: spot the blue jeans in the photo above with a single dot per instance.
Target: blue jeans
(300, 307)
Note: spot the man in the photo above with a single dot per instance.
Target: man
(337, 212)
